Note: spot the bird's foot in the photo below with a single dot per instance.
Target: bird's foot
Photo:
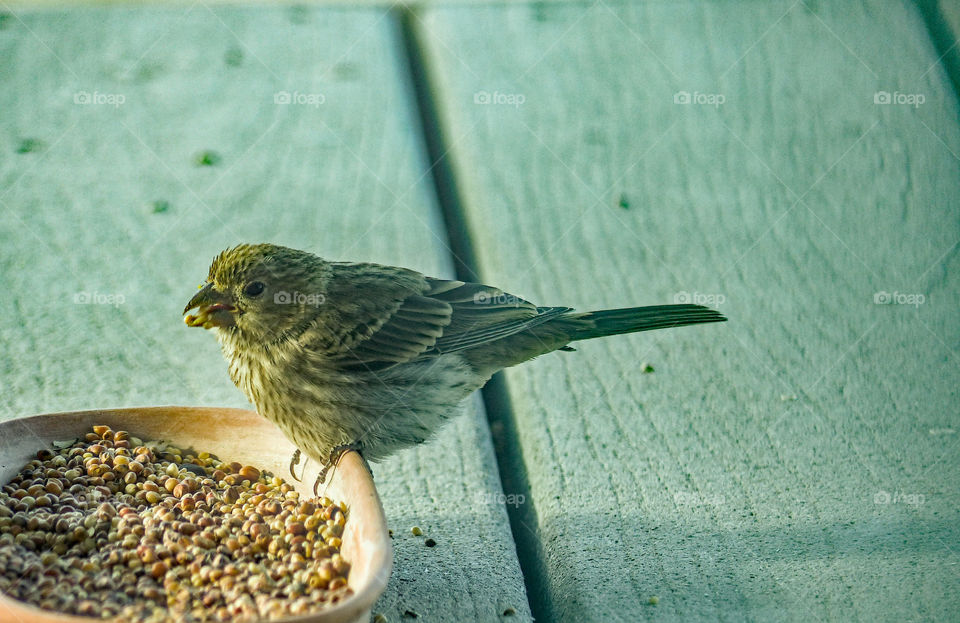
(335, 455)
(295, 460)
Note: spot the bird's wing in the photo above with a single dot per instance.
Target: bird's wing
(400, 316)
(483, 314)
(375, 316)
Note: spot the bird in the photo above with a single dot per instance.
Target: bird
(373, 358)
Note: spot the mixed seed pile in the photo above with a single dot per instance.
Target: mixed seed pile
(111, 525)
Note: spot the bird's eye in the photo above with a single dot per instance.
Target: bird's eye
(254, 288)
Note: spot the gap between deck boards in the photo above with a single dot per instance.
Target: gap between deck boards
(944, 40)
(496, 400)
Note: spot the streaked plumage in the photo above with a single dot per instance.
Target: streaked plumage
(338, 353)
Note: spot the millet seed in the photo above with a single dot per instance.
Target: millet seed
(113, 526)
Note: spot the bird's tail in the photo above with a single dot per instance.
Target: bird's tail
(631, 319)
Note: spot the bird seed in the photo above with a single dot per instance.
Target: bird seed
(112, 526)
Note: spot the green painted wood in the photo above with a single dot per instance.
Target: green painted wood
(951, 13)
(949, 49)
(107, 224)
(296, 6)
(800, 462)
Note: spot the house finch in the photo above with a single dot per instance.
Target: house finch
(376, 358)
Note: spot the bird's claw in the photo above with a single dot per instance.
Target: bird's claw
(295, 460)
(334, 459)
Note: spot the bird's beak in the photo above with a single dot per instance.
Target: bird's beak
(214, 309)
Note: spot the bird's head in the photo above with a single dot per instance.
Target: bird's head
(259, 292)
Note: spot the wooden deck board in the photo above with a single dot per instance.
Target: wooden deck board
(799, 462)
(109, 204)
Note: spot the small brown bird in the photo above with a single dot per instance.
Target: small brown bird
(376, 358)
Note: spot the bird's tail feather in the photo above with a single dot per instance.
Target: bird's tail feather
(631, 319)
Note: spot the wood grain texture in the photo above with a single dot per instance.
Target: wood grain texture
(951, 14)
(949, 47)
(107, 224)
(799, 462)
